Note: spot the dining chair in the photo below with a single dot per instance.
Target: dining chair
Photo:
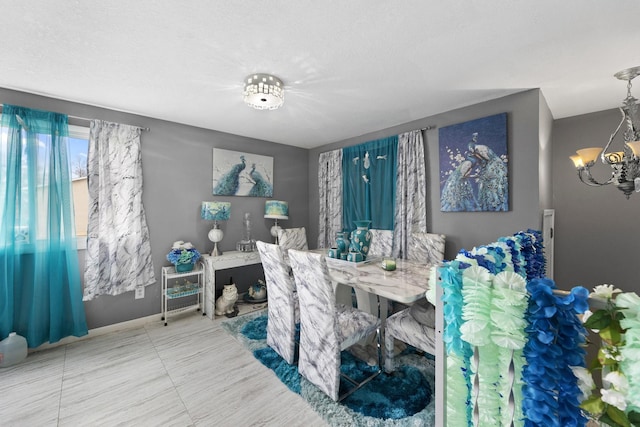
(292, 238)
(381, 243)
(327, 328)
(426, 247)
(415, 325)
(282, 302)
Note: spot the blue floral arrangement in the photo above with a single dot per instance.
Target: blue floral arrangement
(183, 253)
(556, 338)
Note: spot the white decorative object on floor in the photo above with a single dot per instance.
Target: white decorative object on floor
(13, 350)
(226, 301)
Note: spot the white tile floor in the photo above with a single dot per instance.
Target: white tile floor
(189, 373)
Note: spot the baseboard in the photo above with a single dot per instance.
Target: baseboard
(116, 327)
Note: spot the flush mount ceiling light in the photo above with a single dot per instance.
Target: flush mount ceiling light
(263, 92)
(625, 164)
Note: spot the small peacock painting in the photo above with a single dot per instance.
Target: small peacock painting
(242, 174)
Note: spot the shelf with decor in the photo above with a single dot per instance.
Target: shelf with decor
(181, 291)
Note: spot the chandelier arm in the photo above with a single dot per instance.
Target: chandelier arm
(603, 158)
(591, 181)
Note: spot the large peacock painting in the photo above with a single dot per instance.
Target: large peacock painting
(473, 166)
(242, 174)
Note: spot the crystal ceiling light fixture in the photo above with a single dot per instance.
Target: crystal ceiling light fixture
(625, 164)
(263, 92)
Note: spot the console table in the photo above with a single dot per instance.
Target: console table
(229, 259)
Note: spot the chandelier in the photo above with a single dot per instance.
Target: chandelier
(263, 92)
(625, 164)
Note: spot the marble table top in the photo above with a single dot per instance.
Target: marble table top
(406, 284)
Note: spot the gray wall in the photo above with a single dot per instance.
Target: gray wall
(469, 229)
(597, 228)
(177, 173)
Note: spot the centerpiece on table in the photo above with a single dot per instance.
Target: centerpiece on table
(183, 256)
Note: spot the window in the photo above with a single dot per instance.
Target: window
(78, 150)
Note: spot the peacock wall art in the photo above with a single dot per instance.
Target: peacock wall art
(242, 174)
(473, 166)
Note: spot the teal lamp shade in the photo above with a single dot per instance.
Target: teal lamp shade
(276, 209)
(215, 211)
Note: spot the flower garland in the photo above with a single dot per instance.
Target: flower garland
(532, 251)
(618, 360)
(555, 339)
(458, 351)
(508, 309)
(495, 325)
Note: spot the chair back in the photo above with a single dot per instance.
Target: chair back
(293, 238)
(319, 341)
(281, 294)
(381, 243)
(426, 247)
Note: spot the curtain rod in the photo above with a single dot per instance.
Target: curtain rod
(142, 128)
(89, 119)
(428, 127)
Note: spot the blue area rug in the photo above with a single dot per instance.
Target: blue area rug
(401, 399)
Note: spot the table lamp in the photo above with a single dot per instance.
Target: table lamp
(215, 211)
(276, 209)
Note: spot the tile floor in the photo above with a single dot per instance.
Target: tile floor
(189, 373)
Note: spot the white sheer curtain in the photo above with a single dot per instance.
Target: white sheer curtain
(330, 192)
(411, 184)
(118, 255)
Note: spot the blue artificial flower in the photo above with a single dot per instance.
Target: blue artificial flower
(556, 336)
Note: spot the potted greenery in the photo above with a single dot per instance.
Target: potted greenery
(183, 256)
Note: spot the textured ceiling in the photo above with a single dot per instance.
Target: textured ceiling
(349, 67)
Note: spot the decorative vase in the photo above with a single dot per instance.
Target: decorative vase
(342, 243)
(361, 238)
(183, 267)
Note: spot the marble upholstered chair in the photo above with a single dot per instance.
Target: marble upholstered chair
(326, 328)
(282, 307)
(292, 238)
(381, 243)
(426, 247)
(416, 325)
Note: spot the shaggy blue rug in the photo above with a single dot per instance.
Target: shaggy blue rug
(401, 399)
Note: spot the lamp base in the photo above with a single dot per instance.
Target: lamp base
(216, 235)
(215, 251)
(274, 231)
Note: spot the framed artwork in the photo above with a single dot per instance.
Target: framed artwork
(473, 166)
(242, 174)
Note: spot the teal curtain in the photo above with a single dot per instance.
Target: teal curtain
(369, 183)
(40, 288)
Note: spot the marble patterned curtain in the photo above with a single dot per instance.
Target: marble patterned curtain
(118, 255)
(411, 185)
(330, 192)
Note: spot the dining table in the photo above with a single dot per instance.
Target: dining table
(374, 285)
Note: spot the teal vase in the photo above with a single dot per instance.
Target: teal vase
(361, 238)
(342, 242)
